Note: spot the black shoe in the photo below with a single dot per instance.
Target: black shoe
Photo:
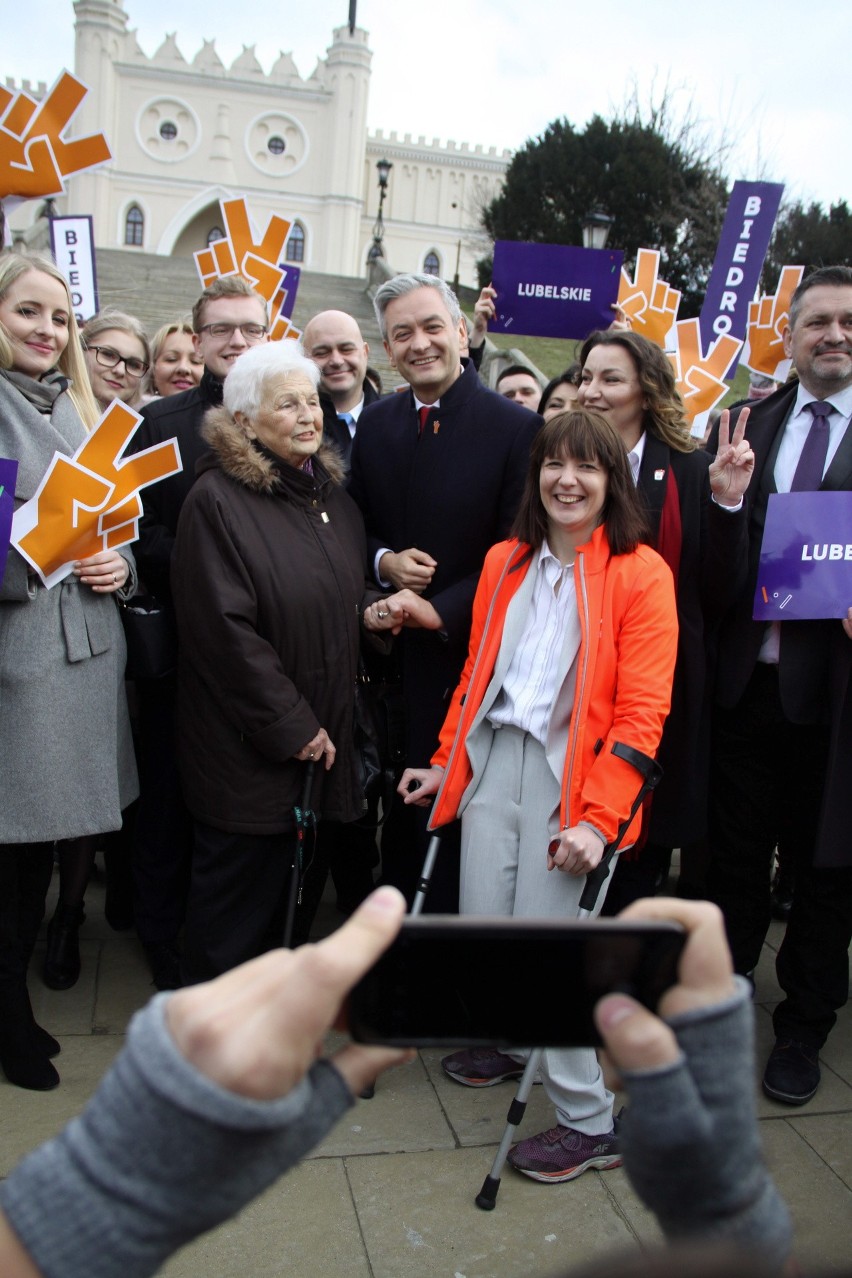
(164, 962)
(48, 1044)
(23, 1057)
(62, 959)
(792, 1072)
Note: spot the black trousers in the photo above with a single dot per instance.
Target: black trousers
(163, 838)
(237, 899)
(767, 779)
(25, 870)
(405, 841)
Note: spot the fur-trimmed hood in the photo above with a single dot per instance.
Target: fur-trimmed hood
(256, 467)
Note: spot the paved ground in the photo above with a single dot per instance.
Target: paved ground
(390, 1193)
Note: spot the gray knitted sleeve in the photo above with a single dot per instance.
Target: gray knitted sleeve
(160, 1154)
(690, 1138)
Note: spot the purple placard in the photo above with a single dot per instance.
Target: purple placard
(745, 237)
(554, 290)
(805, 558)
(8, 475)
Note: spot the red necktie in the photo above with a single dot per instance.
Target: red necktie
(423, 413)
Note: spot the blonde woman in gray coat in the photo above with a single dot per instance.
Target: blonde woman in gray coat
(67, 758)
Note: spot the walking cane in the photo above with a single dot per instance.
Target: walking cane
(306, 820)
(651, 772)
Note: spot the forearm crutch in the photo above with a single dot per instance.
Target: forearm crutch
(651, 772)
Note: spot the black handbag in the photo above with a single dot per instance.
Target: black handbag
(150, 631)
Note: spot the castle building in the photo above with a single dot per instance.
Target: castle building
(185, 134)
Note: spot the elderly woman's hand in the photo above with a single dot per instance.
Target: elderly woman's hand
(104, 572)
(576, 851)
(405, 608)
(318, 746)
(731, 471)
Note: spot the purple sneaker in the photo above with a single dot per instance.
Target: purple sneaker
(481, 1067)
(563, 1154)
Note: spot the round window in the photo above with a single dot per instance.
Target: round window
(276, 145)
(168, 131)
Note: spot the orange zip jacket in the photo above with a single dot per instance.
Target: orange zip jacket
(625, 666)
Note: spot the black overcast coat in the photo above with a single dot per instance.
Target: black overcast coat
(268, 583)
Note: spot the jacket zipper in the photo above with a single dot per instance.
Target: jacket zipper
(579, 692)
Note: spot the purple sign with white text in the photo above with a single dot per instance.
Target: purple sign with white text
(554, 290)
(806, 557)
(745, 237)
(8, 475)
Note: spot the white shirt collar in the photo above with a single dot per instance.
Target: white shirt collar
(635, 455)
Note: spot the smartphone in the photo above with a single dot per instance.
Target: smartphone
(479, 981)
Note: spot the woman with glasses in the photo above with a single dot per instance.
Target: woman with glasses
(67, 767)
(117, 357)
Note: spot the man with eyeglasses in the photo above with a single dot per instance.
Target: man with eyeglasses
(227, 320)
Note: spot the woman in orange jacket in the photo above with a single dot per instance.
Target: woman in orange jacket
(572, 648)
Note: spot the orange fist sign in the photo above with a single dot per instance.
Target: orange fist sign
(34, 157)
(646, 300)
(90, 502)
(257, 261)
(699, 375)
(767, 319)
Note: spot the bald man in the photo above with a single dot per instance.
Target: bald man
(334, 342)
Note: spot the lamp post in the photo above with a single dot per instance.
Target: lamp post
(596, 228)
(376, 251)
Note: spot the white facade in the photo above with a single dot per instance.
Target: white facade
(186, 133)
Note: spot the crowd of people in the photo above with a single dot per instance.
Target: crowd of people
(523, 577)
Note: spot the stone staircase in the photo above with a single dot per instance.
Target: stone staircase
(157, 289)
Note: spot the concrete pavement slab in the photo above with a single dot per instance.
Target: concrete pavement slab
(477, 1115)
(829, 1136)
(419, 1220)
(305, 1225)
(819, 1201)
(403, 1115)
(28, 1118)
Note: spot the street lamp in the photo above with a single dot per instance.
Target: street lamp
(376, 251)
(596, 228)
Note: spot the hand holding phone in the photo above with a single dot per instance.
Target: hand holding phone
(498, 982)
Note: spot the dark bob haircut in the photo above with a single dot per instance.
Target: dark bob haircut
(585, 436)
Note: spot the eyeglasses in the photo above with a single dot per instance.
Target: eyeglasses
(251, 332)
(108, 357)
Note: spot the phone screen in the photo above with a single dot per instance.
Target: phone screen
(449, 981)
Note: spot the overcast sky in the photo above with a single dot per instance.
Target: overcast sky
(498, 72)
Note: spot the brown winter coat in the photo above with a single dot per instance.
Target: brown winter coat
(268, 582)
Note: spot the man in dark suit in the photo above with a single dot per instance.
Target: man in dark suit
(438, 473)
(783, 721)
(333, 340)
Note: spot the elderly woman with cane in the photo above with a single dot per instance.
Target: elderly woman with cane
(268, 581)
(572, 649)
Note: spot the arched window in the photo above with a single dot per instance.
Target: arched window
(431, 263)
(134, 226)
(295, 250)
(215, 233)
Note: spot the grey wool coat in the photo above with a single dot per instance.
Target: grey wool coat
(66, 754)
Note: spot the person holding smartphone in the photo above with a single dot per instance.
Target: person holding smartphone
(218, 1092)
(572, 649)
